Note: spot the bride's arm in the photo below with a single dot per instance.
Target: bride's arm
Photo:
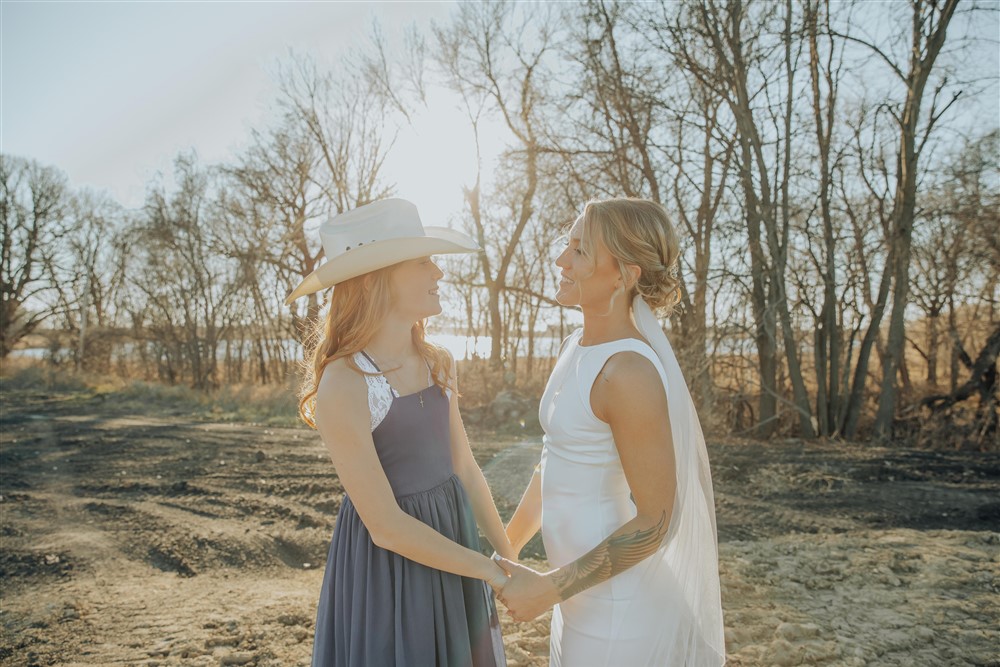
(527, 517)
(628, 395)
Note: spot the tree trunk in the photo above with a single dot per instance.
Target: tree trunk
(828, 334)
(933, 342)
(904, 203)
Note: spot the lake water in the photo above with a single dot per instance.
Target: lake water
(461, 347)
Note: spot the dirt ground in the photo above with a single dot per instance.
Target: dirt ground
(159, 539)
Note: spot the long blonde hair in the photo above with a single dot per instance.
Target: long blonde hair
(357, 308)
(639, 232)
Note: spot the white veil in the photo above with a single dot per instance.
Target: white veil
(688, 559)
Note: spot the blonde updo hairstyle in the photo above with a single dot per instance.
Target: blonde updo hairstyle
(637, 231)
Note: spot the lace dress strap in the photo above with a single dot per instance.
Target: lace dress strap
(380, 392)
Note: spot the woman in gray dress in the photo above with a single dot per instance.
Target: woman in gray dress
(405, 582)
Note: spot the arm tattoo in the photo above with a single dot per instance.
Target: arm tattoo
(614, 555)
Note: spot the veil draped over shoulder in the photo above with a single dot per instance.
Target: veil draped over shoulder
(689, 556)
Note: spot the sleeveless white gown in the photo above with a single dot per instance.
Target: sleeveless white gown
(638, 617)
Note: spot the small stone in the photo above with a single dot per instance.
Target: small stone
(292, 619)
(797, 631)
(212, 642)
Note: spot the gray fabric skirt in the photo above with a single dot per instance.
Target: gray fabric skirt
(379, 608)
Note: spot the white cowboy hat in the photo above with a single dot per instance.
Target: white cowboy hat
(374, 236)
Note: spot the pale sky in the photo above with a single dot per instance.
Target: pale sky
(110, 92)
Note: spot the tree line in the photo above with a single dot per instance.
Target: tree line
(832, 168)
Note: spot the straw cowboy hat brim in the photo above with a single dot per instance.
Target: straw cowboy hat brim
(380, 254)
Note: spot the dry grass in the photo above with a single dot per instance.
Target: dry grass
(274, 404)
(479, 383)
(733, 409)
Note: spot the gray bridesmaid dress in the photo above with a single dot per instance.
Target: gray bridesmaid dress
(379, 608)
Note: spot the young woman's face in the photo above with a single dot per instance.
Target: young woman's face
(414, 288)
(586, 281)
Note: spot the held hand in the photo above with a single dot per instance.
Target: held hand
(498, 580)
(527, 594)
(515, 551)
(509, 554)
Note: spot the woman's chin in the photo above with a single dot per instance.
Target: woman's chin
(431, 312)
(423, 313)
(564, 298)
(435, 308)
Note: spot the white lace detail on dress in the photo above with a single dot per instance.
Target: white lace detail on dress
(380, 393)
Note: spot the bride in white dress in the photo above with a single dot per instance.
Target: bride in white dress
(623, 493)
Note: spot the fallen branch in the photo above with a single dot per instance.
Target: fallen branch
(983, 380)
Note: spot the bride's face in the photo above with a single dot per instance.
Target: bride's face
(586, 281)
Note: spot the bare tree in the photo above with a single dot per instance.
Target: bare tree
(269, 201)
(187, 280)
(929, 21)
(824, 76)
(973, 194)
(730, 50)
(33, 209)
(89, 276)
(612, 141)
(494, 53)
(635, 126)
(940, 248)
(342, 117)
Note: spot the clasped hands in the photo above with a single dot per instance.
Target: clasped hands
(526, 594)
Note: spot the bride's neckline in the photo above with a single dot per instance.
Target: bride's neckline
(609, 342)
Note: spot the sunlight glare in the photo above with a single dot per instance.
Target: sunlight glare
(433, 159)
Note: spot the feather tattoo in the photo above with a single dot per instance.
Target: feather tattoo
(614, 555)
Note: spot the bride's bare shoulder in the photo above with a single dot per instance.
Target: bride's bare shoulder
(629, 382)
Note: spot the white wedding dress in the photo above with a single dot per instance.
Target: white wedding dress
(667, 609)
